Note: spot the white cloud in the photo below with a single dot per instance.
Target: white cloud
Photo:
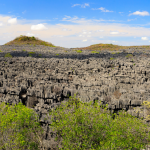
(30, 34)
(66, 29)
(114, 41)
(104, 20)
(75, 5)
(84, 32)
(84, 40)
(38, 27)
(66, 17)
(82, 20)
(12, 21)
(70, 35)
(71, 20)
(144, 13)
(99, 30)
(83, 6)
(124, 33)
(1, 24)
(60, 36)
(131, 19)
(102, 9)
(24, 12)
(144, 38)
(88, 36)
(114, 32)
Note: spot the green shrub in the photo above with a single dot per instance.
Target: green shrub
(83, 126)
(95, 52)
(129, 55)
(40, 54)
(78, 51)
(8, 55)
(19, 128)
(112, 58)
(31, 52)
(26, 38)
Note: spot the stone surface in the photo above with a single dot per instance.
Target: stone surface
(42, 84)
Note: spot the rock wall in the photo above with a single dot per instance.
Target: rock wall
(122, 83)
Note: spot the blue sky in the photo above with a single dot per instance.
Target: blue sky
(77, 23)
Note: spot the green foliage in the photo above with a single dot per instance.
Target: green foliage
(17, 124)
(129, 55)
(84, 126)
(95, 52)
(7, 55)
(46, 44)
(40, 54)
(26, 38)
(112, 58)
(31, 52)
(81, 125)
(78, 51)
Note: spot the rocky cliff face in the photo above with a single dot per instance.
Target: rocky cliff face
(122, 83)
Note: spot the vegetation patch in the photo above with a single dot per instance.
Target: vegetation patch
(78, 51)
(25, 40)
(31, 52)
(8, 55)
(19, 128)
(129, 55)
(81, 126)
(95, 52)
(112, 58)
(84, 126)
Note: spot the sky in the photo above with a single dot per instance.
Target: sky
(77, 23)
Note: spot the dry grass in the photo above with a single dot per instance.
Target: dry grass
(111, 47)
(25, 40)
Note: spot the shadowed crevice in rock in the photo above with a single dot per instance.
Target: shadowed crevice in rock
(23, 96)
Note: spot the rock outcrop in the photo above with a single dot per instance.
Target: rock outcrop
(122, 83)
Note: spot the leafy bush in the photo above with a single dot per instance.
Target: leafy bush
(19, 128)
(83, 126)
